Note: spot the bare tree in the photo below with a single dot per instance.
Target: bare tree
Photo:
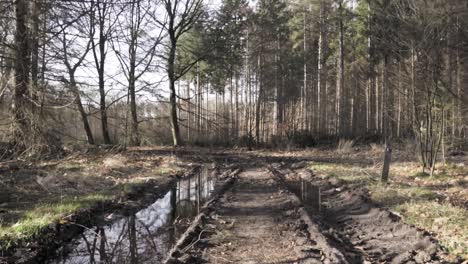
(139, 56)
(73, 59)
(102, 21)
(181, 16)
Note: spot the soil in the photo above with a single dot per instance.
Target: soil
(258, 222)
(363, 231)
(261, 220)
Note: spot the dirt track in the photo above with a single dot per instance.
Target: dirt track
(362, 231)
(259, 221)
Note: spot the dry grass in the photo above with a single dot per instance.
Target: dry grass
(345, 146)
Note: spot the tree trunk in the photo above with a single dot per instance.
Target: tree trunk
(387, 108)
(372, 109)
(100, 66)
(304, 93)
(134, 133)
(34, 49)
(173, 97)
(236, 119)
(81, 110)
(322, 72)
(340, 96)
(22, 65)
(258, 103)
(132, 239)
(103, 108)
(189, 114)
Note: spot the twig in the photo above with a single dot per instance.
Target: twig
(193, 243)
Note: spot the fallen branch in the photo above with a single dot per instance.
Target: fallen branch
(178, 249)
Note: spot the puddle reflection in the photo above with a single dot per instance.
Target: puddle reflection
(146, 236)
(310, 195)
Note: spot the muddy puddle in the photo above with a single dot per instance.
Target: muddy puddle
(146, 236)
(309, 194)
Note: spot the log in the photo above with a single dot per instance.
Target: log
(191, 231)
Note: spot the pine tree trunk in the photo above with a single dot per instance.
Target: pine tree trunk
(189, 111)
(322, 75)
(387, 108)
(236, 116)
(258, 102)
(341, 97)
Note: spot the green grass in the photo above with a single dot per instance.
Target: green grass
(449, 223)
(34, 220)
(419, 205)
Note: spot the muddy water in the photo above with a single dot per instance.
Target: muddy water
(310, 195)
(146, 236)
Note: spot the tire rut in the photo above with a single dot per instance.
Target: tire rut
(257, 221)
(364, 232)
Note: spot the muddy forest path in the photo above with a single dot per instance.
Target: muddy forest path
(256, 221)
(257, 234)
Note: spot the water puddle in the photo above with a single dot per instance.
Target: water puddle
(310, 195)
(146, 236)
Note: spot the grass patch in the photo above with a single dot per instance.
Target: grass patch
(449, 223)
(396, 194)
(44, 214)
(350, 175)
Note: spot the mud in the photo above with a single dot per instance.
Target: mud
(258, 221)
(46, 244)
(363, 231)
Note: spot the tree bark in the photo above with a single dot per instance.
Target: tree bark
(22, 66)
(134, 132)
(322, 72)
(387, 116)
(81, 110)
(258, 103)
(340, 96)
(100, 61)
(173, 97)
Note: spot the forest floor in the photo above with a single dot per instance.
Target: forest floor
(437, 204)
(258, 210)
(35, 194)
